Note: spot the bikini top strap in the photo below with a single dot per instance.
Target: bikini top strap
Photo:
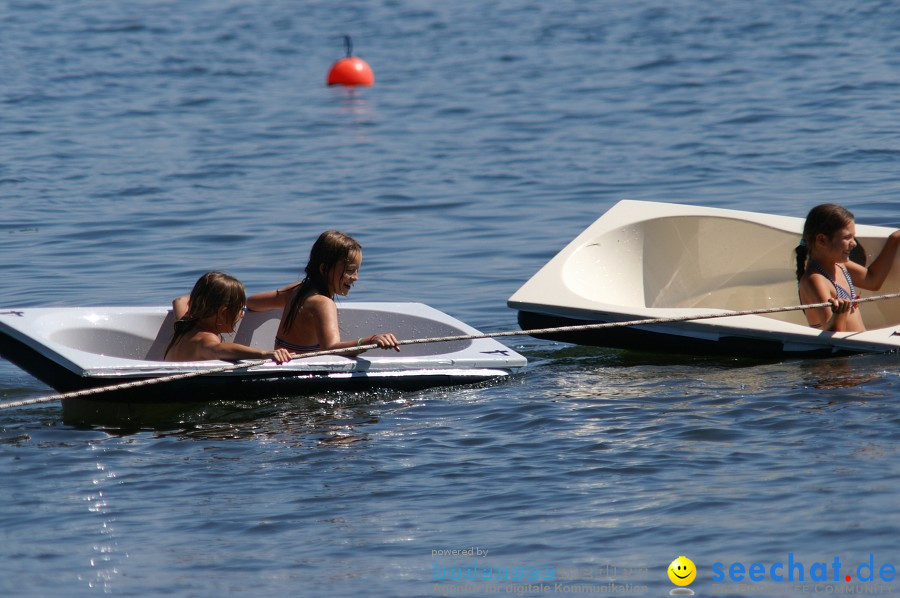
(841, 291)
(849, 282)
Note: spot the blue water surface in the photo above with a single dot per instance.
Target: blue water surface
(143, 143)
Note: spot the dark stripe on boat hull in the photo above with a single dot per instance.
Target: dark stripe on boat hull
(629, 337)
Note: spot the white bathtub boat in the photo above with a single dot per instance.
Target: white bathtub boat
(85, 347)
(658, 260)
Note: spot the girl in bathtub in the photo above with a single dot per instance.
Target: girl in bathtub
(215, 306)
(309, 319)
(825, 272)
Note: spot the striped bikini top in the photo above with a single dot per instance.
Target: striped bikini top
(841, 291)
(295, 348)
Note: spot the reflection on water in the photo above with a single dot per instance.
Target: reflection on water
(836, 373)
(593, 372)
(354, 102)
(105, 555)
(335, 418)
(599, 373)
(564, 353)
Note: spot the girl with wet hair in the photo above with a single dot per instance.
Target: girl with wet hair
(215, 306)
(309, 318)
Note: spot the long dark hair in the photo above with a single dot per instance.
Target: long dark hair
(826, 219)
(332, 249)
(212, 291)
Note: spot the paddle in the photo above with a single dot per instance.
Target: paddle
(419, 341)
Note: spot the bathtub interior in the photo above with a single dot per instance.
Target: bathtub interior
(145, 335)
(704, 262)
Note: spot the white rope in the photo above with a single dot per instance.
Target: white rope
(418, 341)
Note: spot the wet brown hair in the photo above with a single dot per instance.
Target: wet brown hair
(212, 291)
(332, 249)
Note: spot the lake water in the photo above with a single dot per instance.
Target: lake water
(142, 143)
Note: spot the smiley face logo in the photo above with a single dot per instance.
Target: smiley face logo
(682, 571)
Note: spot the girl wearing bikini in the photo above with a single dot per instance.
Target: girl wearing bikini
(825, 272)
(309, 319)
(215, 306)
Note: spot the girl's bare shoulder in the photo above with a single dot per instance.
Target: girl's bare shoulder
(814, 286)
(318, 302)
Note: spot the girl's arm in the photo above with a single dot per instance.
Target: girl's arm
(817, 290)
(210, 347)
(325, 317)
(384, 340)
(267, 300)
(324, 312)
(180, 307)
(873, 277)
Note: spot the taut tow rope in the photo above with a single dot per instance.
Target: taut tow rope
(419, 341)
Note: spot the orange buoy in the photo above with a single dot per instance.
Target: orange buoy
(350, 70)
